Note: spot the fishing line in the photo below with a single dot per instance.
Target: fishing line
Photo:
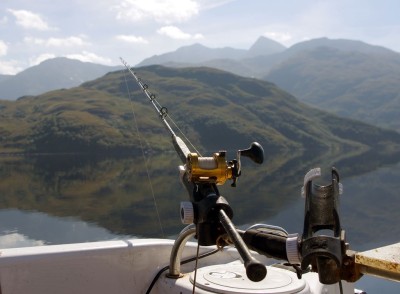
(167, 115)
(161, 110)
(195, 268)
(185, 261)
(183, 134)
(144, 156)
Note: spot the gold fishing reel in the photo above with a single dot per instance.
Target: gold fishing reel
(216, 169)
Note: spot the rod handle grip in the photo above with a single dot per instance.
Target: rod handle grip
(255, 270)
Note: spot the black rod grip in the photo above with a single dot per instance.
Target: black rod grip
(265, 243)
(255, 270)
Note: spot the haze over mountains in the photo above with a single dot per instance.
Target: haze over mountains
(198, 53)
(347, 77)
(354, 84)
(51, 74)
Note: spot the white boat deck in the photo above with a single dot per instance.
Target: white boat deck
(126, 266)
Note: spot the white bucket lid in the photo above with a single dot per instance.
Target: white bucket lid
(231, 278)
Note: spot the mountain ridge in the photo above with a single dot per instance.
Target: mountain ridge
(353, 84)
(192, 54)
(264, 46)
(356, 84)
(51, 74)
(218, 109)
(341, 44)
(372, 98)
(196, 51)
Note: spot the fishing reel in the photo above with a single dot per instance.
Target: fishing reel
(201, 175)
(208, 210)
(216, 169)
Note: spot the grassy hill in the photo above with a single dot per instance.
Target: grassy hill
(215, 109)
(347, 77)
(359, 85)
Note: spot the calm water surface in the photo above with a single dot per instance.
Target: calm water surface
(68, 199)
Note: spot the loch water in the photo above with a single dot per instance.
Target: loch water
(55, 199)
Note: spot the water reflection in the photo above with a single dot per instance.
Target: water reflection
(112, 193)
(70, 198)
(22, 229)
(115, 194)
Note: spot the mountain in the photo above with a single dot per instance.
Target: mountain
(265, 46)
(197, 54)
(261, 66)
(215, 109)
(259, 59)
(340, 44)
(194, 54)
(49, 75)
(263, 56)
(359, 84)
(348, 77)
(4, 77)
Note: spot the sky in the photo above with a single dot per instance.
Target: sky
(101, 31)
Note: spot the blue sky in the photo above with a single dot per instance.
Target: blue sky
(101, 31)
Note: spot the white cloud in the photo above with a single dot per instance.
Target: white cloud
(3, 48)
(29, 20)
(9, 67)
(164, 11)
(279, 36)
(40, 58)
(132, 39)
(57, 42)
(13, 240)
(211, 4)
(90, 57)
(176, 33)
(63, 42)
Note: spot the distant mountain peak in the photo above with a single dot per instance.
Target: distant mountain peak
(265, 46)
(51, 74)
(341, 44)
(196, 48)
(194, 45)
(198, 53)
(192, 54)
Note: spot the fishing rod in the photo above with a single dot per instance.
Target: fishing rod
(213, 169)
(208, 210)
(322, 247)
(180, 146)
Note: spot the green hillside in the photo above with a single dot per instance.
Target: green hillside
(215, 109)
(347, 77)
(351, 84)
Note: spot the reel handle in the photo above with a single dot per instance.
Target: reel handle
(255, 270)
(255, 152)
